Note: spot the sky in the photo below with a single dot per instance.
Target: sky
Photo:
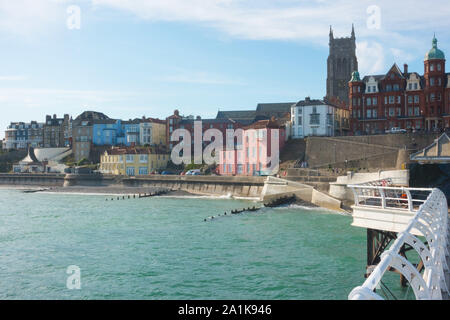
(134, 58)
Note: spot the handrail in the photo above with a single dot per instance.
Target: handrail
(399, 198)
(431, 219)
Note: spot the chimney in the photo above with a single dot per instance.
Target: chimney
(54, 116)
(405, 69)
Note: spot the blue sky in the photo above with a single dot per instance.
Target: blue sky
(149, 57)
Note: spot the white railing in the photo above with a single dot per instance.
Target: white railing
(431, 219)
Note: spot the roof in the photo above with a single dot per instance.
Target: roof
(438, 151)
(136, 150)
(274, 107)
(90, 116)
(263, 124)
(435, 53)
(309, 102)
(237, 115)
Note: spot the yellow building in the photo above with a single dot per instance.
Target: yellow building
(133, 161)
(152, 132)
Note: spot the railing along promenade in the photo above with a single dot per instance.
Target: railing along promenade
(429, 219)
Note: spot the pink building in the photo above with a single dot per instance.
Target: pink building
(257, 152)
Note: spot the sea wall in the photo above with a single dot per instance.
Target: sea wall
(216, 185)
(370, 152)
(32, 179)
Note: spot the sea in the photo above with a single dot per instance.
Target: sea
(84, 246)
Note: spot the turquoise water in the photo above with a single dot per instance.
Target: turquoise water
(160, 248)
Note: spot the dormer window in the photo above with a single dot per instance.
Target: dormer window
(392, 76)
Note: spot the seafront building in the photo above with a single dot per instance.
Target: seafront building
(57, 131)
(252, 155)
(83, 132)
(133, 161)
(20, 135)
(401, 98)
(318, 118)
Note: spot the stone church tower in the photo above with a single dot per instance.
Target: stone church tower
(341, 64)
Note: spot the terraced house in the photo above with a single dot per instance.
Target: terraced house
(402, 99)
(21, 135)
(133, 161)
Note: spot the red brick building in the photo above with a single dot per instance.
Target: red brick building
(401, 98)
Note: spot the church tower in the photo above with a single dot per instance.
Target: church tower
(342, 62)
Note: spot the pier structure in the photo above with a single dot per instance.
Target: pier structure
(406, 219)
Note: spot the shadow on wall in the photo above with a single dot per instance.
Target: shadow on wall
(431, 176)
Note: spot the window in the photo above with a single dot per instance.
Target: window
(388, 88)
(439, 67)
(130, 158)
(315, 119)
(130, 171)
(143, 158)
(391, 99)
(415, 86)
(369, 101)
(416, 111)
(374, 113)
(385, 100)
(410, 99)
(368, 89)
(396, 87)
(391, 112)
(374, 88)
(143, 171)
(416, 99)
(399, 99)
(410, 86)
(399, 112)
(369, 113)
(432, 67)
(410, 111)
(374, 101)
(431, 81)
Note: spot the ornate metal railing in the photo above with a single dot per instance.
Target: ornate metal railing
(431, 220)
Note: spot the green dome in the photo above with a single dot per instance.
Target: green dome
(435, 53)
(355, 77)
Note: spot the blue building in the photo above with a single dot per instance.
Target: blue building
(110, 132)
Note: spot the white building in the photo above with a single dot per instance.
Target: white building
(312, 118)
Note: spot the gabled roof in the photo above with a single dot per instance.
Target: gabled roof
(438, 151)
(396, 70)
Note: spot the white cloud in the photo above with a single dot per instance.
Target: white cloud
(27, 17)
(370, 57)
